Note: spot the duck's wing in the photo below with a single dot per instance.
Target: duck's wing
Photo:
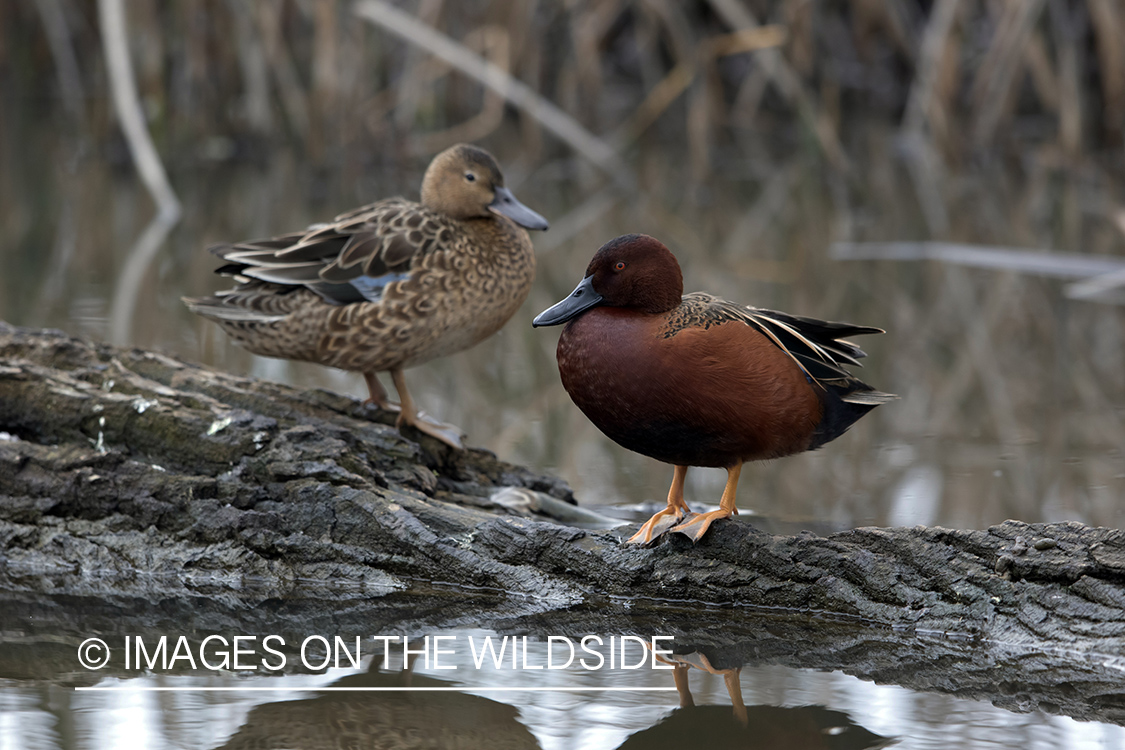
(817, 346)
(350, 259)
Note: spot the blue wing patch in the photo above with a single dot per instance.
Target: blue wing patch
(371, 287)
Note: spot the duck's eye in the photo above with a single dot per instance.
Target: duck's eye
(619, 265)
(470, 177)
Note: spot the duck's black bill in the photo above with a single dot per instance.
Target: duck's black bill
(581, 299)
(505, 203)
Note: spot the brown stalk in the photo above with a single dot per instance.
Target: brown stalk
(1070, 86)
(493, 42)
(995, 86)
(325, 95)
(516, 92)
(1108, 29)
(662, 95)
(289, 89)
(1043, 76)
(417, 69)
(64, 55)
(254, 67)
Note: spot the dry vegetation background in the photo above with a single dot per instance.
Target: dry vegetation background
(969, 76)
(748, 134)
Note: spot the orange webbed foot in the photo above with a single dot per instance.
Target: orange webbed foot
(385, 405)
(378, 395)
(410, 415)
(450, 434)
(663, 520)
(696, 526)
(656, 526)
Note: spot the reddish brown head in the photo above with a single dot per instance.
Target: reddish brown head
(633, 271)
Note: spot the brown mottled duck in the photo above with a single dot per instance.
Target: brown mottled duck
(387, 286)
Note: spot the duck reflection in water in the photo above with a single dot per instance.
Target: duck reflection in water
(384, 720)
(400, 720)
(747, 727)
(695, 380)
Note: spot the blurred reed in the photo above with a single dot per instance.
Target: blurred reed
(954, 73)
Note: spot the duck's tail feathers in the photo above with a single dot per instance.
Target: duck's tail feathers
(216, 308)
(868, 398)
(844, 403)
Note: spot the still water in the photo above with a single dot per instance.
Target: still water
(1013, 406)
(522, 707)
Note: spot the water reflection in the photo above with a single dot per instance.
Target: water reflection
(745, 726)
(759, 666)
(723, 700)
(772, 727)
(384, 720)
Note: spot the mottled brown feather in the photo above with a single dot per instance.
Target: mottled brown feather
(444, 275)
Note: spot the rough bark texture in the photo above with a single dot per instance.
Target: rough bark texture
(130, 476)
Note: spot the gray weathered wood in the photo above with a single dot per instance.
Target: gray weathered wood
(127, 473)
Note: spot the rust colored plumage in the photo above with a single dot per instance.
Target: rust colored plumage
(695, 380)
(390, 285)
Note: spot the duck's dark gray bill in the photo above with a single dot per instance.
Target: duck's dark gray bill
(581, 299)
(506, 203)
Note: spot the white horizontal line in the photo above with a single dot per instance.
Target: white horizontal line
(313, 689)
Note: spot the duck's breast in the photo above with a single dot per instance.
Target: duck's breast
(452, 298)
(713, 395)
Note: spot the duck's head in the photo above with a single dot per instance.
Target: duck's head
(465, 182)
(634, 271)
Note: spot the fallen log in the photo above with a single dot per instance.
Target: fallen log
(129, 473)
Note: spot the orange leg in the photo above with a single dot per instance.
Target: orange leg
(734, 688)
(680, 677)
(676, 507)
(447, 433)
(378, 395)
(697, 526)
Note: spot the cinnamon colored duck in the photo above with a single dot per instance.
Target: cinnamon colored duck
(695, 380)
(389, 285)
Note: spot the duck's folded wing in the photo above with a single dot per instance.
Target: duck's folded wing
(817, 346)
(351, 259)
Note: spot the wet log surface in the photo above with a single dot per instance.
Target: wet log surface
(140, 490)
